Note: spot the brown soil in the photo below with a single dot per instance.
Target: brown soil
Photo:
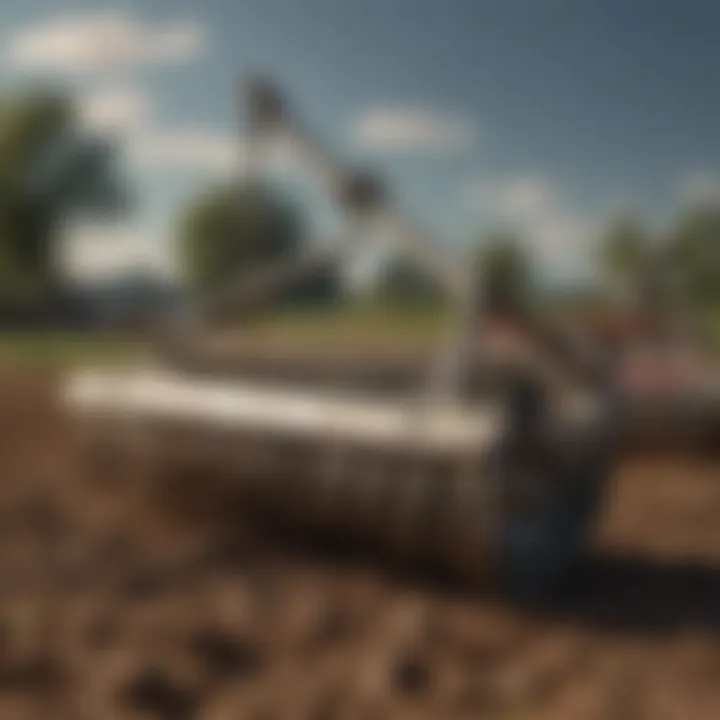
(117, 602)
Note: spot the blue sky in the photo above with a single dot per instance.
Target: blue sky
(546, 114)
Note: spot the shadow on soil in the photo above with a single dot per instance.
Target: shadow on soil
(612, 592)
(628, 593)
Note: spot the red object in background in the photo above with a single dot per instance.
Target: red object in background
(658, 370)
(647, 360)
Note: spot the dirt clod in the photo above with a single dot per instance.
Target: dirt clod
(410, 675)
(151, 691)
(225, 657)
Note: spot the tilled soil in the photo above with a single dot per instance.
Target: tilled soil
(119, 602)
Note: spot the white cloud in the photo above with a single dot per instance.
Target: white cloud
(531, 205)
(127, 111)
(524, 196)
(99, 251)
(700, 188)
(192, 148)
(101, 42)
(559, 235)
(115, 109)
(397, 129)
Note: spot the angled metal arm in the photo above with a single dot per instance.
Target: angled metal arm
(360, 194)
(365, 200)
(244, 293)
(252, 289)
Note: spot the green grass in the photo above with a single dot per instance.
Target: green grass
(711, 327)
(361, 325)
(393, 324)
(368, 326)
(380, 315)
(53, 349)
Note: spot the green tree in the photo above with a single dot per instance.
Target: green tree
(694, 249)
(624, 253)
(506, 271)
(232, 227)
(403, 284)
(49, 171)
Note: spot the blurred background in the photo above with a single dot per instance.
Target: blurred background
(574, 148)
(566, 151)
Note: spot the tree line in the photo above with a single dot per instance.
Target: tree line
(51, 171)
(238, 226)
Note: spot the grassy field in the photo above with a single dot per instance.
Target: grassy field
(52, 349)
(365, 325)
(363, 315)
